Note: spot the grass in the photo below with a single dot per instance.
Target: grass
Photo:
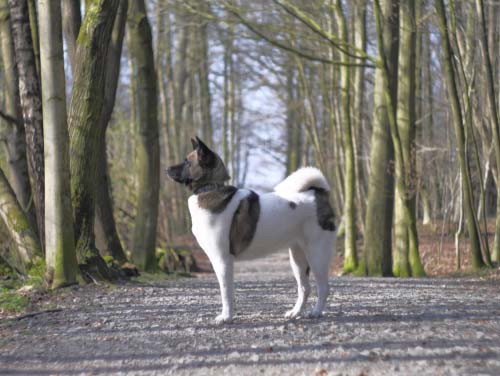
(11, 301)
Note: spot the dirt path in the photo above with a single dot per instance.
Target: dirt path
(371, 327)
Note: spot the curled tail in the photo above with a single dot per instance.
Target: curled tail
(303, 179)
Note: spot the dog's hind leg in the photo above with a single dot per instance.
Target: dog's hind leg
(319, 255)
(223, 268)
(300, 268)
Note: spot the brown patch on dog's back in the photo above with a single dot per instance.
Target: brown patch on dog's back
(244, 224)
(324, 211)
(216, 200)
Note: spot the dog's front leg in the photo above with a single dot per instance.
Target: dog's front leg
(223, 268)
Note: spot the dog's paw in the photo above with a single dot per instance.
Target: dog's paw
(223, 319)
(292, 314)
(314, 314)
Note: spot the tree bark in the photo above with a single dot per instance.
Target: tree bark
(495, 121)
(377, 255)
(358, 112)
(72, 20)
(25, 242)
(107, 238)
(60, 256)
(31, 103)
(148, 160)
(15, 144)
(203, 82)
(350, 254)
(475, 245)
(406, 255)
(85, 112)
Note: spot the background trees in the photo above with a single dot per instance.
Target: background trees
(395, 103)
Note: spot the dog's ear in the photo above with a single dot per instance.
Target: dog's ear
(194, 143)
(206, 157)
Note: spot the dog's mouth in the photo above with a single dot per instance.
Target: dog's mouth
(172, 174)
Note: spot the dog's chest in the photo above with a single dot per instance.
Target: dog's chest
(211, 228)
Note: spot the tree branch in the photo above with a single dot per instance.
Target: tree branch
(289, 48)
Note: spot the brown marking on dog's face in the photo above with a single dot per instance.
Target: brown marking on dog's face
(324, 211)
(216, 200)
(244, 224)
(201, 167)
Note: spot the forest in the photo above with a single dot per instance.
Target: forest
(395, 101)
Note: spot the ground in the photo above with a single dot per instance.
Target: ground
(372, 326)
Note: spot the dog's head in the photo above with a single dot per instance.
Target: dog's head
(201, 167)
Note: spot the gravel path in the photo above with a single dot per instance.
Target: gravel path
(371, 327)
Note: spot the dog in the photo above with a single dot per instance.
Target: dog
(231, 224)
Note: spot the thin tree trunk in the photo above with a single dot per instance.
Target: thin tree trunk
(292, 127)
(60, 256)
(31, 103)
(475, 245)
(107, 238)
(25, 241)
(228, 75)
(16, 139)
(359, 111)
(203, 71)
(350, 254)
(148, 159)
(495, 121)
(72, 20)
(84, 115)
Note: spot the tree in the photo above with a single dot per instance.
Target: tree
(107, 238)
(31, 103)
(475, 245)
(60, 253)
(72, 20)
(494, 119)
(15, 144)
(406, 255)
(146, 120)
(377, 252)
(25, 242)
(84, 114)
(351, 260)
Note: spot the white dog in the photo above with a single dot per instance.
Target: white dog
(231, 223)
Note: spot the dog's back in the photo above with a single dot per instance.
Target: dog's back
(294, 213)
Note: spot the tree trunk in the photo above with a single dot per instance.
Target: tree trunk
(60, 256)
(203, 71)
(292, 126)
(107, 238)
(350, 254)
(377, 256)
(406, 255)
(16, 139)
(495, 121)
(358, 112)
(31, 103)
(25, 242)
(84, 115)
(475, 245)
(33, 17)
(148, 160)
(72, 20)
(228, 87)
